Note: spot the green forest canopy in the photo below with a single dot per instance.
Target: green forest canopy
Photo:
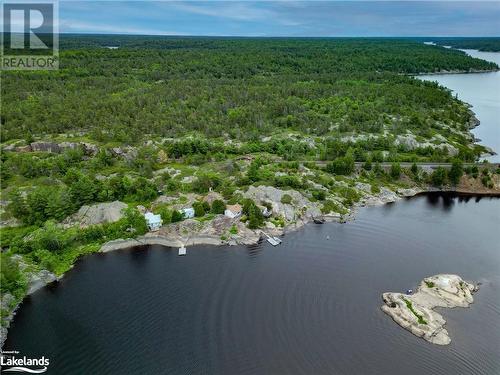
(482, 44)
(240, 88)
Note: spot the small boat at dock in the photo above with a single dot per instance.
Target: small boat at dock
(275, 241)
(182, 250)
(272, 241)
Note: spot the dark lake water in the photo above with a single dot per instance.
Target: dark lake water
(309, 306)
(482, 91)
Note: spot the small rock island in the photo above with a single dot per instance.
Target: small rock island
(415, 313)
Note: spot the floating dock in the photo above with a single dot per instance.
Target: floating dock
(182, 250)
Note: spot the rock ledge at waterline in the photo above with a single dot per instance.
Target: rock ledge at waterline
(415, 312)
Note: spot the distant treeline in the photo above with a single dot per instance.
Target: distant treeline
(481, 44)
(77, 41)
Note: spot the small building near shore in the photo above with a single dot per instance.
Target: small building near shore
(188, 213)
(153, 221)
(233, 211)
(267, 212)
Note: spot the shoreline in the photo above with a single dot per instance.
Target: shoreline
(460, 193)
(152, 239)
(473, 71)
(474, 122)
(160, 240)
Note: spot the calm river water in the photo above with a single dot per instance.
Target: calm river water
(482, 91)
(309, 306)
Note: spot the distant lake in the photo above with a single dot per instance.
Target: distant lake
(482, 91)
(309, 306)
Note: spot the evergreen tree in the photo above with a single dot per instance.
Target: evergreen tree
(177, 216)
(59, 204)
(395, 171)
(83, 190)
(18, 206)
(199, 210)
(342, 165)
(253, 171)
(414, 169)
(254, 214)
(438, 177)
(136, 220)
(368, 164)
(37, 202)
(218, 207)
(456, 172)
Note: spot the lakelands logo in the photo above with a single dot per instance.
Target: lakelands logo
(11, 362)
(30, 38)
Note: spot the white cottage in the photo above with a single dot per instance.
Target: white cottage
(233, 211)
(188, 213)
(153, 221)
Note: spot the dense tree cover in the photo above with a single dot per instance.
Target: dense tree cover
(218, 207)
(395, 171)
(239, 88)
(253, 213)
(11, 278)
(439, 177)
(201, 208)
(69, 41)
(482, 44)
(50, 244)
(456, 172)
(342, 165)
(44, 202)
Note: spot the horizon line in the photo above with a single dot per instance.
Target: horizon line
(284, 36)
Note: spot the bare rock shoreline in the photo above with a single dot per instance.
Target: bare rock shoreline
(455, 71)
(414, 312)
(251, 237)
(158, 240)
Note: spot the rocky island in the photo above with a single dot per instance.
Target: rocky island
(415, 313)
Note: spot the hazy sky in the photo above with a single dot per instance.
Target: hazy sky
(283, 18)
